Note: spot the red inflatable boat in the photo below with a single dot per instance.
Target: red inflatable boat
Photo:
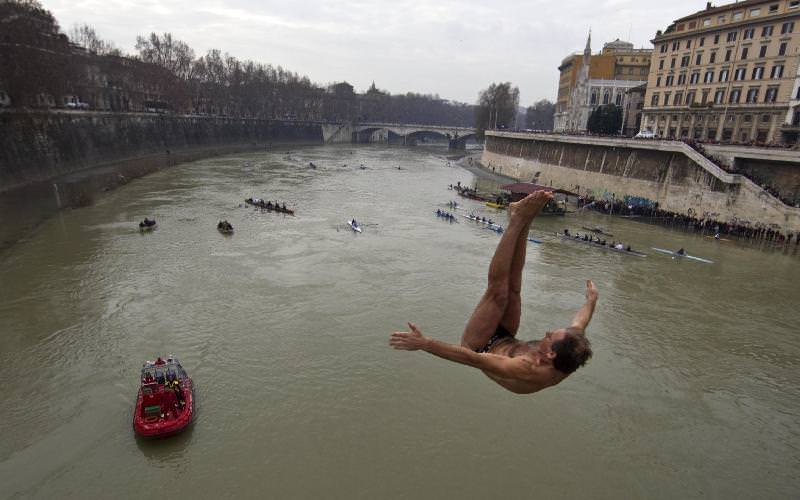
(165, 405)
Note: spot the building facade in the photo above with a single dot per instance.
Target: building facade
(728, 73)
(587, 81)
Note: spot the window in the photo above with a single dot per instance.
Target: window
(774, 8)
(748, 34)
(765, 118)
(752, 96)
(605, 97)
(758, 73)
(661, 64)
(792, 5)
(745, 50)
(748, 118)
(675, 45)
(694, 78)
(787, 28)
(663, 48)
(707, 22)
(709, 78)
(654, 100)
(782, 49)
(672, 63)
(719, 96)
(670, 80)
(682, 79)
(658, 81)
(737, 16)
(666, 99)
(771, 95)
(727, 55)
(739, 74)
(712, 58)
(688, 44)
(618, 100)
(755, 12)
(678, 99)
(690, 98)
(767, 30)
(698, 60)
(732, 36)
(684, 61)
(777, 71)
(734, 97)
(593, 98)
(763, 51)
(723, 75)
(704, 99)
(798, 93)
(716, 39)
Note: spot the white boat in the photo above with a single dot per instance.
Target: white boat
(354, 226)
(490, 225)
(682, 256)
(609, 248)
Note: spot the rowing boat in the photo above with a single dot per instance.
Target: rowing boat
(683, 256)
(270, 207)
(609, 248)
(449, 217)
(534, 240)
(490, 225)
(499, 206)
(354, 225)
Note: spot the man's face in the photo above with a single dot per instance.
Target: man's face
(545, 345)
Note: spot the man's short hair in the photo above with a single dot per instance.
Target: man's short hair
(572, 352)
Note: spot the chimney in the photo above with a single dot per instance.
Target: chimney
(708, 5)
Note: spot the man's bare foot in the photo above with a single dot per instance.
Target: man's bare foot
(531, 205)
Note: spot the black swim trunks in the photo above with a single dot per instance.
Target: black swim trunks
(500, 334)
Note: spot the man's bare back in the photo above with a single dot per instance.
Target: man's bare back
(489, 341)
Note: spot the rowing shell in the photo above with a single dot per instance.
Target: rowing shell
(494, 227)
(690, 257)
(602, 247)
(355, 227)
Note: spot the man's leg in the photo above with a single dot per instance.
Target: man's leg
(511, 317)
(492, 307)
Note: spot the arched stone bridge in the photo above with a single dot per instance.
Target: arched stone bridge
(410, 133)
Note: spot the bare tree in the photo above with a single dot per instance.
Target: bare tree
(86, 37)
(174, 55)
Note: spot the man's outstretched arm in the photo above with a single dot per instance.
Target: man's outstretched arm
(584, 315)
(501, 366)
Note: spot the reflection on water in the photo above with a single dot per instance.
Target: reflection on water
(284, 327)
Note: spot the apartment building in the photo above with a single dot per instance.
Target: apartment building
(728, 73)
(589, 80)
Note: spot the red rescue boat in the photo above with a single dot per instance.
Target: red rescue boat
(165, 404)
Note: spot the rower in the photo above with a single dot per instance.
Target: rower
(681, 252)
(629, 248)
(566, 232)
(438, 212)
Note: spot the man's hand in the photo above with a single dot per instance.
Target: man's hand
(408, 341)
(591, 291)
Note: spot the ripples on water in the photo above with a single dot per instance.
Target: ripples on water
(692, 391)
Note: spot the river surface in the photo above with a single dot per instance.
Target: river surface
(692, 393)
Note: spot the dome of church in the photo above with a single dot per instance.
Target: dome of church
(618, 45)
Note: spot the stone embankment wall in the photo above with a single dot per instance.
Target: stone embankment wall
(666, 172)
(42, 146)
(54, 160)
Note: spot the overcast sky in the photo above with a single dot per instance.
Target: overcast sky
(446, 47)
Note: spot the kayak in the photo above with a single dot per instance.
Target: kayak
(354, 226)
(498, 206)
(609, 248)
(686, 256)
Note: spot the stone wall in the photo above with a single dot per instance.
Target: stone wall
(36, 147)
(666, 172)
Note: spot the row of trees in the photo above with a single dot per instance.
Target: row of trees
(37, 59)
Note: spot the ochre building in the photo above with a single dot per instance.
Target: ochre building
(729, 74)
